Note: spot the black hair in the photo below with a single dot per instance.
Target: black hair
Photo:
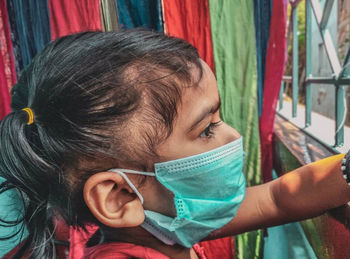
(97, 98)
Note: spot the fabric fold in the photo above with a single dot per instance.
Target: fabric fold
(275, 65)
(190, 20)
(146, 13)
(73, 16)
(33, 27)
(7, 66)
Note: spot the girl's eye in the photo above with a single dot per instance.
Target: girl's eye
(208, 132)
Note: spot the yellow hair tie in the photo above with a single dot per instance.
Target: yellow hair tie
(30, 115)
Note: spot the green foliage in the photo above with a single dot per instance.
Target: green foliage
(301, 48)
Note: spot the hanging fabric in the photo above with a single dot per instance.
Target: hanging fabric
(262, 17)
(14, 38)
(275, 64)
(32, 25)
(135, 13)
(4, 91)
(233, 35)
(109, 16)
(190, 20)
(7, 65)
(73, 16)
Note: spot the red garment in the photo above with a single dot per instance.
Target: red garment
(190, 20)
(7, 64)
(275, 64)
(72, 16)
(78, 239)
(220, 248)
(118, 250)
(223, 248)
(121, 251)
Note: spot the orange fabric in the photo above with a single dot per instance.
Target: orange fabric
(190, 20)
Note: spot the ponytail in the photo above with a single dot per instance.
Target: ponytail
(23, 168)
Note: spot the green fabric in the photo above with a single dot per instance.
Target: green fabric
(233, 36)
(109, 15)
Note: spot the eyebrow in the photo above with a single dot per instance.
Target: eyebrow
(205, 113)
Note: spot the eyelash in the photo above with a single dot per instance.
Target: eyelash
(208, 132)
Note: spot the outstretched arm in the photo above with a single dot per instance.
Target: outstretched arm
(303, 193)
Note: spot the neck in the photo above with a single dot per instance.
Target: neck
(139, 236)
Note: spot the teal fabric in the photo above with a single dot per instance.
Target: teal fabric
(10, 209)
(145, 13)
(288, 242)
(32, 25)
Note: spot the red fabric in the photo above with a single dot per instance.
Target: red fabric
(190, 20)
(72, 16)
(223, 248)
(275, 64)
(219, 248)
(78, 239)
(62, 234)
(118, 250)
(7, 64)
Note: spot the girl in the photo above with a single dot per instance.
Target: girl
(123, 130)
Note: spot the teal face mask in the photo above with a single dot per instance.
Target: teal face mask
(208, 189)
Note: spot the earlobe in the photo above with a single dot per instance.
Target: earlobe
(112, 201)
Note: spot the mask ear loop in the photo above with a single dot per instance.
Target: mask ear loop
(146, 224)
(126, 178)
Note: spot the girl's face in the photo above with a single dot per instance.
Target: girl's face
(197, 128)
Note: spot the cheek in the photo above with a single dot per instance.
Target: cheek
(157, 197)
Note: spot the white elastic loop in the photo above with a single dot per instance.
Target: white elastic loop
(126, 178)
(117, 170)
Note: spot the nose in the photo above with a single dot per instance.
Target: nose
(229, 133)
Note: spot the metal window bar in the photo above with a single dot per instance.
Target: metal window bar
(339, 78)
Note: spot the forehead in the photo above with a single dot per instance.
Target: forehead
(205, 93)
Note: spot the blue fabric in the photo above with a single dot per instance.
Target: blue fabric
(14, 37)
(262, 18)
(135, 13)
(32, 25)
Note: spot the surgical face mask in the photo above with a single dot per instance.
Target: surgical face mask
(208, 189)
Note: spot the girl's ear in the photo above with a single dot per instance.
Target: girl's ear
(112, 201)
